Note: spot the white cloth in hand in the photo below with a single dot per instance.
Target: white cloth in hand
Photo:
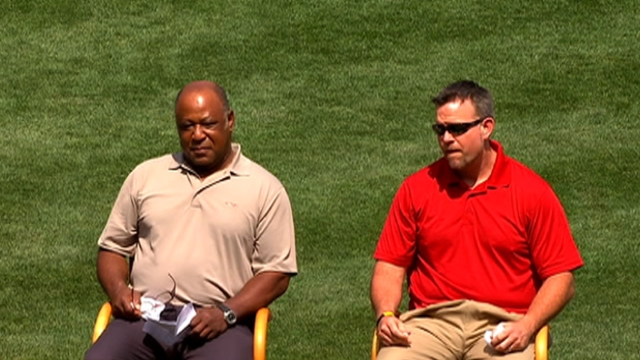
(490, 334)
(150, 308)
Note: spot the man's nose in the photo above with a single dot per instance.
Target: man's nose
(198, 132)
(447, 137)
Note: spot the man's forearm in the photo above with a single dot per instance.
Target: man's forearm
(554, 294)
(386, 287)
(113, 271)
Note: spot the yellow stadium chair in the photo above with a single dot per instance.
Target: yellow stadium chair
(541, 347)
(259, 333)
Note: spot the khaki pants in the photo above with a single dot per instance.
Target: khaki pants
(453, 330)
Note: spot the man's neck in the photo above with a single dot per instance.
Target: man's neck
(480, 171)
(204, 173)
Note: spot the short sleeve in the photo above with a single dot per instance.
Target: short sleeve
(275, 237)
(552, 246)
(120, 234)
(397, 243)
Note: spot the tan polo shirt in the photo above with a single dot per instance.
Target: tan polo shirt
(211, 236)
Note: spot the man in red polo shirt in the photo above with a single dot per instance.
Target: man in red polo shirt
(482, 241)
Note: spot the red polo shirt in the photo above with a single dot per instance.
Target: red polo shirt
(495, 243)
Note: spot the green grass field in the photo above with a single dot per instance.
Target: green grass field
(333, 97)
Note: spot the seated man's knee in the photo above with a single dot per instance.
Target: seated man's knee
(123, 340)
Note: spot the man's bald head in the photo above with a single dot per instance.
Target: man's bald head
(204, 87)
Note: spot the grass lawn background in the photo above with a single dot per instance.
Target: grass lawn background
(333, 97)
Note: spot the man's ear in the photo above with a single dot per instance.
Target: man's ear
(487, 127)
(231, 119)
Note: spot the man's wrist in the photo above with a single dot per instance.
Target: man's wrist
(383, 315)
(114, 291)
(229, 315)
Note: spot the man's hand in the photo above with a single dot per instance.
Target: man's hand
(391, 331)
(208, 323)
(516, 336)
(126, 303)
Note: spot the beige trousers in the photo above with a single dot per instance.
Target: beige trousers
(453, 330)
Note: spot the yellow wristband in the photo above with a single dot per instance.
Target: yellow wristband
(384, 314)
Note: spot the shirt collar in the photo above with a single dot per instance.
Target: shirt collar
(500, 175)
(239, 165)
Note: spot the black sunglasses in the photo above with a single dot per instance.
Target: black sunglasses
(457, 128)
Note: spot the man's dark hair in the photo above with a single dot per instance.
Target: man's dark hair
(467, 90)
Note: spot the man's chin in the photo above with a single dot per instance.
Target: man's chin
(200, 162)
(455, 162)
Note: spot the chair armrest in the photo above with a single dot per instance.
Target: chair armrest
(542, 343)
(260, 334)
(375, 345)
(103, 319)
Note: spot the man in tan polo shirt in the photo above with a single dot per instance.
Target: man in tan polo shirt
(207, 221)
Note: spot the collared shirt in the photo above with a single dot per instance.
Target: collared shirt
(494, 243)
(211, 236)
